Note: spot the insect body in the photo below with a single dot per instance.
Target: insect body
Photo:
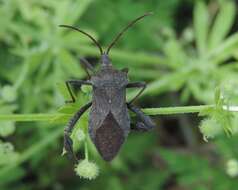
(109, 122)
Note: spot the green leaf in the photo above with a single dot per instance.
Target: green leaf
(175, 54)
(226, 49)
(69, 64)
(222, 24)
(61, 87)
(201, 26)
(217, 95)
(25, 9)
(225, 119)
(67, 109)
(68, 12)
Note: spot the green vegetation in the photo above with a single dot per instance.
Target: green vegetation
(186, 52)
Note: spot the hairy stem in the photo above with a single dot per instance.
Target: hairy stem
(176, 110)
(31, 117)
(86, 149)
(148, 111)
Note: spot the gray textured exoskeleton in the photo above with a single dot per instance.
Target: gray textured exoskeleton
(109, 122)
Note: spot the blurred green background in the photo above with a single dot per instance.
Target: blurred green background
(183, 51)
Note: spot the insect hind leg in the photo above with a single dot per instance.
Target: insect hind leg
(68, 143)
(145, 123)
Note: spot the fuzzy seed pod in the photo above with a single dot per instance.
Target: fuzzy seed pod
(87, 170)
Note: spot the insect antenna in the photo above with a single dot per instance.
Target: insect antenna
(124, 30)
(95, 41)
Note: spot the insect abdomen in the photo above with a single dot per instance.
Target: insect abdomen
(109, 138)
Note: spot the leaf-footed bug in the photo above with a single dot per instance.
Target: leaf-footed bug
(109, 122)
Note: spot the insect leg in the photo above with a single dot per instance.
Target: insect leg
(141, 85)
(145, 123)
(87, 66)
(69, 128)
(76, 83)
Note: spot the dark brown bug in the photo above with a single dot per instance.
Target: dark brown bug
(109, 122)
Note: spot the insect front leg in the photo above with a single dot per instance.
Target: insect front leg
(141, 85)
(68, 143)
(145, 123)
(75, 83)
(87, 66)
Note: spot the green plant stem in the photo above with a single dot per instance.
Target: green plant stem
(176, 110)
(22, 76)
(148, 111)
(58, 132)
(86, 149)
(31, 117)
